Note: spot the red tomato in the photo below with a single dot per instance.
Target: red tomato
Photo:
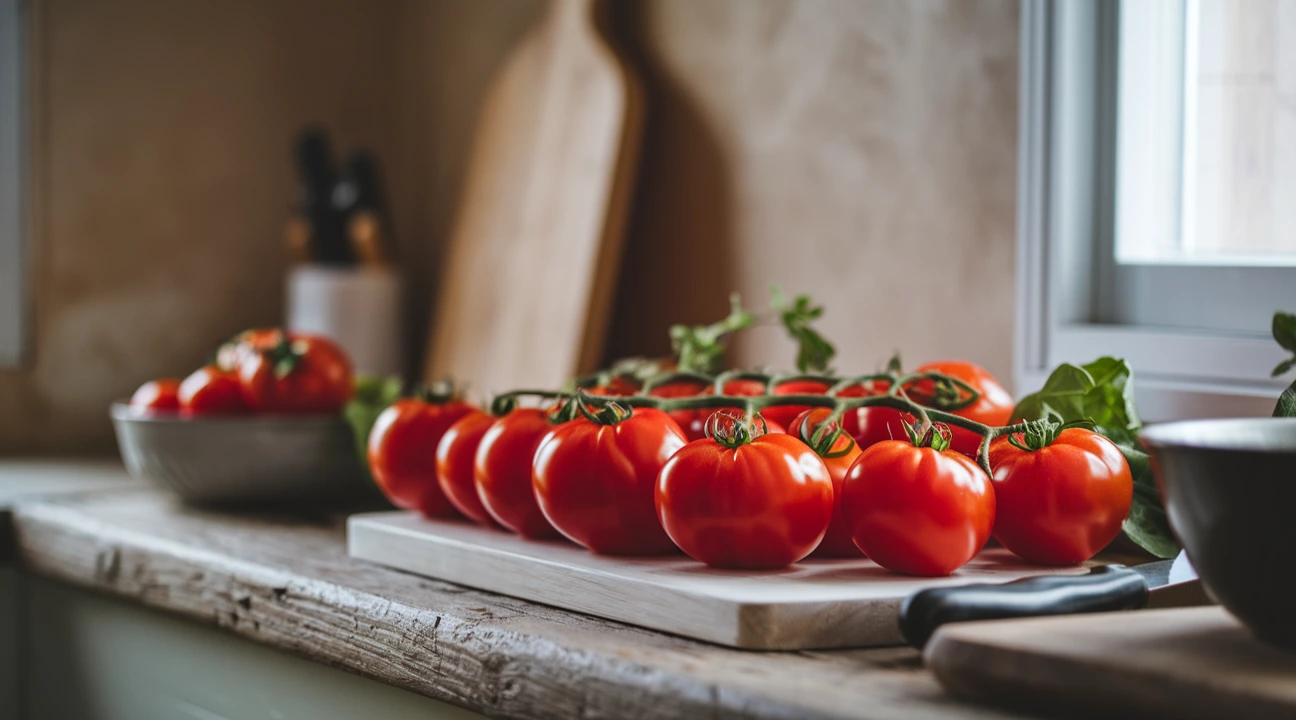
(454, 464)
(594, 482)
(616, 387)
(301, 373)
(402, 453)
(693, 422)
(837, 542)
(993, 408)
(872, 425)
(744, 387)
(211, 391)
(161, 394)
(690, 421)
(1062, 503)
(764, 504)
(917, 511)
(784, 414)
(502, 472)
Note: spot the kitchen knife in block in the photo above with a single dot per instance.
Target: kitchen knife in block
(1102, 589)
(536, 244)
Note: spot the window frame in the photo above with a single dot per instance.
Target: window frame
(1066, 175)
(13, 184)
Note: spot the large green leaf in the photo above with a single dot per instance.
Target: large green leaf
(1103, 392)
(1147, 524)
(1286, 406)
(1100, 391)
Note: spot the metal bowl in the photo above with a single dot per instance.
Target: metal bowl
(1230, 492)
(233, 459)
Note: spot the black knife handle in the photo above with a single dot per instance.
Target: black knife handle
(1106, 588)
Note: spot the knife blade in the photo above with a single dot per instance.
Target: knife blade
(1164, 583)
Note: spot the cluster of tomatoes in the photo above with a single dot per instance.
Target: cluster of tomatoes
(647, 469)
(259, 371)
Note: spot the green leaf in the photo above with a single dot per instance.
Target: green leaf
(372, 396)
(1283, 367)
(1147, 524)
(1286, 406)
(1100, 391)
(701, 348)
(814, 352)
(1284, 330)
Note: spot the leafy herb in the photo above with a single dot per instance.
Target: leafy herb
(814, 352)
(372, 396)
(701, 348)
(1286, 406)
(1284, 332)
(1103, 392)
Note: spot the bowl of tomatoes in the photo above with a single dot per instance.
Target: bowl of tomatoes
(261, 422)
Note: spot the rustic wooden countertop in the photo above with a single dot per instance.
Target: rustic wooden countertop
(283, 579)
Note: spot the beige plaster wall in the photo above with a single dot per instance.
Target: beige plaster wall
(863, 151)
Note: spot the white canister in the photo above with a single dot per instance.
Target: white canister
(360, 308)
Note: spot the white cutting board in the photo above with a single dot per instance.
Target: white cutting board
(813, 604)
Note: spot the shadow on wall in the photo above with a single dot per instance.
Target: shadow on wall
(680, 245)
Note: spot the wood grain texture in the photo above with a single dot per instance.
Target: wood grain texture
(537, 241)
(813, 604)
(1181, 663)
(31, 480)
(286, 581)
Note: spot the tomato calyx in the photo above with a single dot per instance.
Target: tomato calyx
(283, 357)
(936, 436)
(1041, 433)
(824, 436)
(733, 429)
(609, 413)
(438, 392)
(942, 392)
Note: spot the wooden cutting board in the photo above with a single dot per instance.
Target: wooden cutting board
(1182, 663)
(536, 245)
(813, 604)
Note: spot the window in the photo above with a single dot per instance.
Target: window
(12, 280)
(1157, 195)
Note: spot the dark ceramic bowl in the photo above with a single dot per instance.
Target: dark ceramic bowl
(240, 459)
(1230, 491)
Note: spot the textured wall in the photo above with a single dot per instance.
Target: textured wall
(863, 151)
(161, 182)
(860, 151)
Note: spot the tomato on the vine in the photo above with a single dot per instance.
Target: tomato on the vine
(838, 458)
(160, 394)
(502, 471)
(299, 373)
(783, 414)
(690, 421)
(994, 406)
(742, 499)
(402, 453)
(872, 425)
(594, 479)
(454, 464)
(918, 510)
(693, 422)
(1062, 496)
(211, 391)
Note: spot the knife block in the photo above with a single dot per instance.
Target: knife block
(360, 308)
